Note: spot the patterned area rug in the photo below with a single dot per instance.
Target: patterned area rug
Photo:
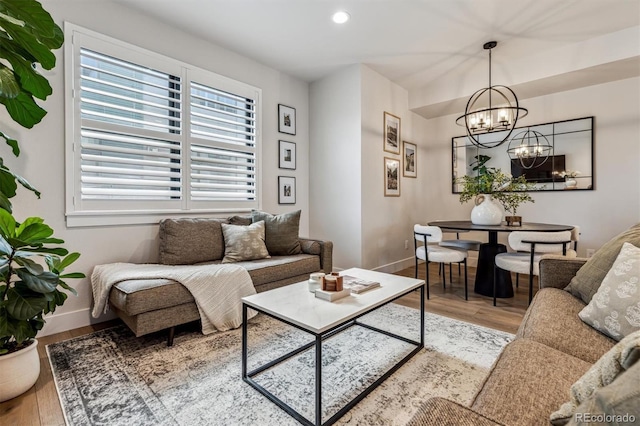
(111, 377)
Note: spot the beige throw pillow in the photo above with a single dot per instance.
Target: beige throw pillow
(615, 308)
(601, 374)
(588, 278)
(244, 242)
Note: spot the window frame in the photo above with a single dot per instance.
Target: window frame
(81, 212)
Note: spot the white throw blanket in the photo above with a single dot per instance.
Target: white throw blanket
(217, 289)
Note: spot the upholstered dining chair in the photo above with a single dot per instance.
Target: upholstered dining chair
(529, 248)
(460, 244)
(431, 251)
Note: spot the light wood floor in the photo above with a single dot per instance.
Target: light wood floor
(40, 406)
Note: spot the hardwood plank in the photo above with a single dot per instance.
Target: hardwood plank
(22, 410)
(49, 407)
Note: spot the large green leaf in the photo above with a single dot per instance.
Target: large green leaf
(8, 185)
(24, 110)
(15, 147)
(28, 221)
(23, 308)
(68, 287)
(22, 330)
(42, 283)
(31, 266)
(64, 263)
(9, 86)
(30, 80)
(34, 233)
(5, 247)
(30, 43)
(7, 225)
(60, 251)
(36, 18)
(22, 181)
(5, 204)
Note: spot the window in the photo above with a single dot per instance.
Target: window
(150, 136)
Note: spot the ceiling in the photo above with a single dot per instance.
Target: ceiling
(411, 42)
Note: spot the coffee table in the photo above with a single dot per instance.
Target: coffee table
(296, 306)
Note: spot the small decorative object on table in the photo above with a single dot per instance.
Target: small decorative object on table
(358, 285)
(332, 282)
(315, 281)
(570, 181)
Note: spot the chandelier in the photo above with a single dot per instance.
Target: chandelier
(530, 148)
(490, 110)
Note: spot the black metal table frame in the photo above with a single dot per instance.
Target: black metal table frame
(319, 337)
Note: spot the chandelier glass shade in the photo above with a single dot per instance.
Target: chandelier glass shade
(530, 148)
(492, 109)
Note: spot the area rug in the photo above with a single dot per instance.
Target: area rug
(112, 377)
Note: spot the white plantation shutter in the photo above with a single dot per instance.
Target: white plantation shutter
(153, 136)
(130, 132)
(222, 149)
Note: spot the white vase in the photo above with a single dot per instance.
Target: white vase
(487, 211)
(570, 183)
(19, 371)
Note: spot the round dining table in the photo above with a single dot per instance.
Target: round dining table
(489, 250)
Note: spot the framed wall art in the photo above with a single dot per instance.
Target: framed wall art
(286, 119)
(391, 133)
(286, 190)
(409, 156)
(287, 155)
(391, 177)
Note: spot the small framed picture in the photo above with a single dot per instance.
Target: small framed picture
(286, 119)
(391, 133)
(391, 177)
(287, 155)
(410, 152)
(286, 190)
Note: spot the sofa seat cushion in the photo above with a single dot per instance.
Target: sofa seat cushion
(527, 383)
(552, 319)
(263, 271)
(137, 296)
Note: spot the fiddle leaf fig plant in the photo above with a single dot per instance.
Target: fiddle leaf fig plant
(32, 262)
(28, 290)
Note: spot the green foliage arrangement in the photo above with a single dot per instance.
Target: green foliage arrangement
(509, 191)
(28, 35)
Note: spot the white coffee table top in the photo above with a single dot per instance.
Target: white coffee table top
(296, 304)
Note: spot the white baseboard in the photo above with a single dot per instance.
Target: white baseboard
(396, 266)
(57, 323)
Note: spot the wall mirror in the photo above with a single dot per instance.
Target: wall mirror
(546, 154)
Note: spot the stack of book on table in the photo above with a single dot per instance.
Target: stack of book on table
(351, 285)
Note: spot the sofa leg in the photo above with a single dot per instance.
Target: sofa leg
(172, 332)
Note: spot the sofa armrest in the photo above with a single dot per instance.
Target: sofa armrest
(557, 271)
(322, 248)
(442, 412)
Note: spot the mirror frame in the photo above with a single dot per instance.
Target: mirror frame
(532, 127)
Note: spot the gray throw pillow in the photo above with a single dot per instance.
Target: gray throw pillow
(589, 277)
(187, 241)
(281, 232)
(615, 308)
(244, 242)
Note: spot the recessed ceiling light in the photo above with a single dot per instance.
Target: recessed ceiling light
(340, 17)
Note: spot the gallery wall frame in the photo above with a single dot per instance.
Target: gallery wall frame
(391, 177)
(286, 190)
(392, 133)
(286, 119)
(409, 159)
(286, 155)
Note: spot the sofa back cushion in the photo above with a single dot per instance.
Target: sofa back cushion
(188, 241)
(589, 277)
(281, 232)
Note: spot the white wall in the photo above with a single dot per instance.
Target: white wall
(612, 207)
(42, 158)
(335, 164)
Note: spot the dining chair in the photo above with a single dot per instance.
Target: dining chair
(529, 247)
(457, 243)
(431, 251)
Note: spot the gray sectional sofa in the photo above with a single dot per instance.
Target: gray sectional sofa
(147, 306)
